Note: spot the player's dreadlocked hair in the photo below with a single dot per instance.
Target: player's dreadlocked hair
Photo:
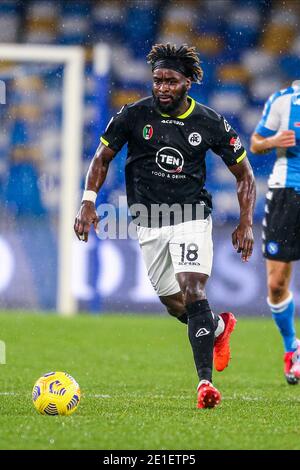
(185, 55)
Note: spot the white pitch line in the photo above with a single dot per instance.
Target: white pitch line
(96, 396)
(166, 397)
(84, 395)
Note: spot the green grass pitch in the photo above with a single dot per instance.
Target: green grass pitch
(138, 385)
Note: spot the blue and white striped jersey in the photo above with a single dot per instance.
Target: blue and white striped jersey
(282, 112)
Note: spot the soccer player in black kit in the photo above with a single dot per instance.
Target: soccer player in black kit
(168, 135)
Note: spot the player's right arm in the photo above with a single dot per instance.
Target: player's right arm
(282, 139)
(267, 135)
(95, 178)
(115, 136)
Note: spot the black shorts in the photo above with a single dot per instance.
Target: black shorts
(281, 225)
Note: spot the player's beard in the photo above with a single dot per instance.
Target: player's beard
(173, 106)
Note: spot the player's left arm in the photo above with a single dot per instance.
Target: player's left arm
(242, 237)
(228, 145)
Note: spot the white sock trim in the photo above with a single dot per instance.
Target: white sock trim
(202, 382)
(220, 327)
(278, 308)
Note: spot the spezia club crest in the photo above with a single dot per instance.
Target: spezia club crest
(148, 132)
(195, 139)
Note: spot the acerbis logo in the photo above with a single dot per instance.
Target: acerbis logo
(170, 160)
(195, 139)
(202, 332)
(172, 121)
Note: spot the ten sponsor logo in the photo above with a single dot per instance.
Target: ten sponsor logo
(148, 132)
(236, 143)
(195, 139)
(170, 160)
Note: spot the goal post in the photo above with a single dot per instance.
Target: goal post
(72, 57)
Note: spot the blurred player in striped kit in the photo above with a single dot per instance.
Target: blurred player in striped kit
(279, 128)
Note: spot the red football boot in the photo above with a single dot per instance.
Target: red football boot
(208, 395)
(222, 346)
(292, 366)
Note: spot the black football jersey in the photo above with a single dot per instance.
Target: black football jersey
(166, 155)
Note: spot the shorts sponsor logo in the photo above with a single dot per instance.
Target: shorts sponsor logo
(297, 124)
(272, 248)
(195, 139)
(148, 132)
(236, 143)
(188, 263)
(170, 160)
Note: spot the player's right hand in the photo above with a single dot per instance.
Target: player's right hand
(243, 240)
(86, 217)
(284, 139)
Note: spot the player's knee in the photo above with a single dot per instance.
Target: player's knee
(174, 307)
(192, 294)
(192, 286)
(175, 312)
(277, 287)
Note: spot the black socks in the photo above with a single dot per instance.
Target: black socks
(201, 331)
(183, 318)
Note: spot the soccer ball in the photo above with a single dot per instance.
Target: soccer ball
(56, 393)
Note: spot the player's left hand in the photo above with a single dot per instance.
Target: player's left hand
(243, 240)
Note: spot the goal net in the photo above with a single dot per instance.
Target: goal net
(40, 171)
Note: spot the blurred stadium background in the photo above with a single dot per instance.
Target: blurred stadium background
(249, 49)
